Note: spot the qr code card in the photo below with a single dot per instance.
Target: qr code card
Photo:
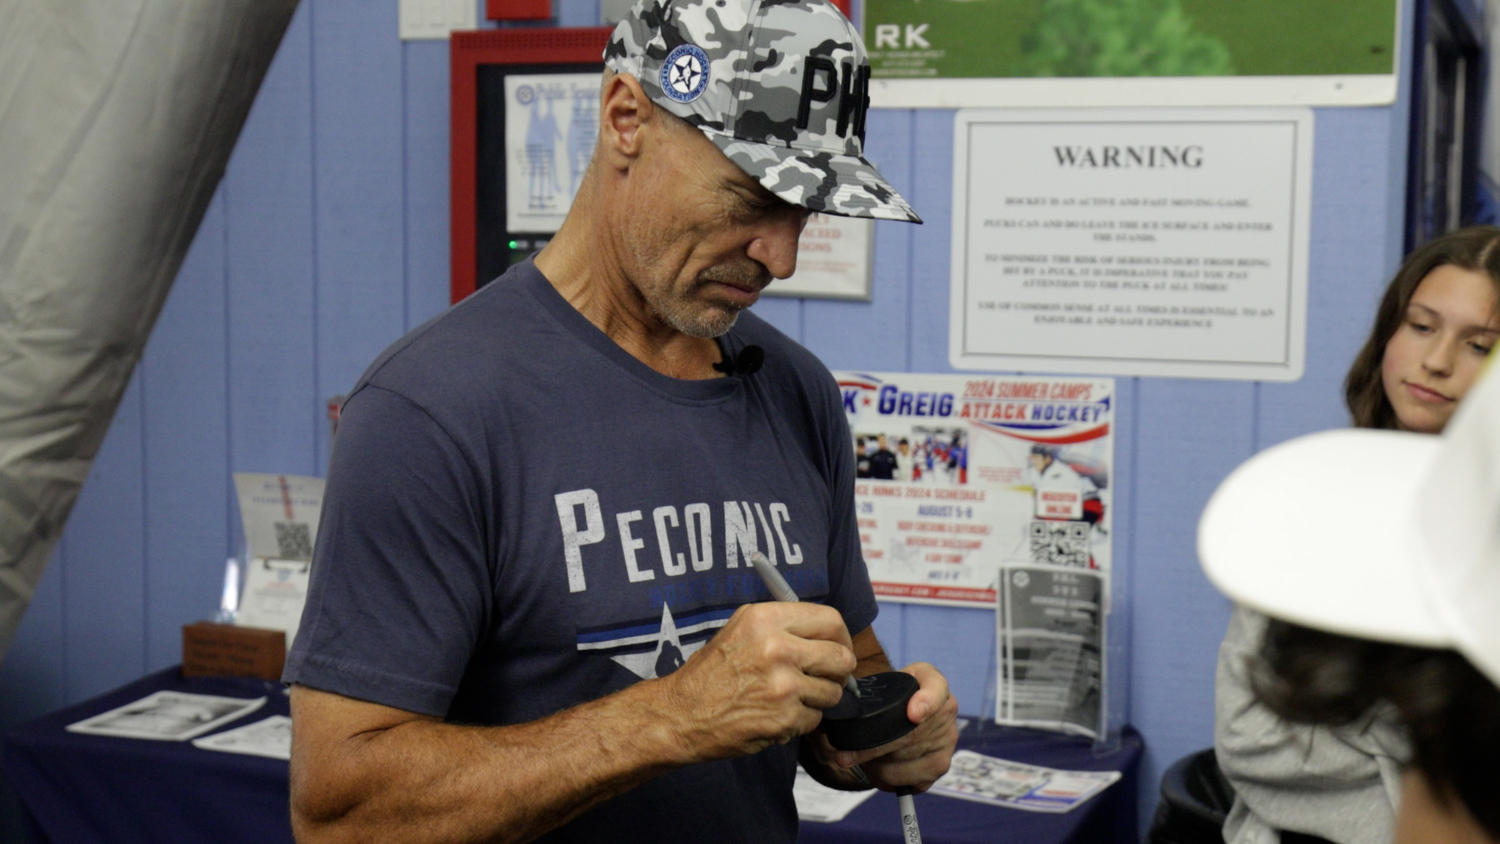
(294, 541)
(1060, 543)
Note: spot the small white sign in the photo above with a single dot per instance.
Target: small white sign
(435, 18)
(833, 260)
(275, 592)
(280, 516)
(1059, 503)
(1154, 242)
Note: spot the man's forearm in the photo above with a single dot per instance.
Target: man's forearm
(427, 781)
(364, 772)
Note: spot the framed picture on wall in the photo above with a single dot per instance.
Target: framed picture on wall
(524, 121)
(833, 260)
(1163, 53)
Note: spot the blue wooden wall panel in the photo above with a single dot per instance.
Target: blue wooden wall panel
(961, 643)
(104, 568)
(931, 244)
(782, 312)
(358, 156)
(425, 177)
(269, 189)
(576, 12)
(1347, 270)
(1190, 435)
(872, 335)
(1123, 533)
(185, 433)
(33, 673)
(275, 418)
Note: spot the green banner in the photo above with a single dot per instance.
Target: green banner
(928, 39)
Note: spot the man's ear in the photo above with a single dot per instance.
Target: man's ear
(624, 110)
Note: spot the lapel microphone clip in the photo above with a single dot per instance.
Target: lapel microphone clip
(747, 362)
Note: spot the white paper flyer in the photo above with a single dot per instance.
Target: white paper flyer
(167, 716)
(1156, 242)
(1000, 782)
(551, 124)
(270, 737)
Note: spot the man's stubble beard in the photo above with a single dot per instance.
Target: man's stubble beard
(684, 317)
(687, 314)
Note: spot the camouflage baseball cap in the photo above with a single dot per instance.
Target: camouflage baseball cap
(780, 86)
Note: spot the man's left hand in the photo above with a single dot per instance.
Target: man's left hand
(917, 759)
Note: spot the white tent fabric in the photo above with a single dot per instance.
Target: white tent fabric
(117, 118)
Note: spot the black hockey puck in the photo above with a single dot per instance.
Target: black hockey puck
(878, 716)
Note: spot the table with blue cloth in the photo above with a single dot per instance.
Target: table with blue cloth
(80, 789)
(87, 788)
(1107, 818)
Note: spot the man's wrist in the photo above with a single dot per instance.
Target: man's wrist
(651, 727)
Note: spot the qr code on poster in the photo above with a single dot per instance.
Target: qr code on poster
(1060, 543)
(293, 541)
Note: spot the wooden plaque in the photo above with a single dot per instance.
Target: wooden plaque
(225, 650)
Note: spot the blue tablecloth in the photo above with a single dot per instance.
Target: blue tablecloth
(80, 789)
(1107, 818)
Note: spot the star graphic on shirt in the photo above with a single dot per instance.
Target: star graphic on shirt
(685, 73)
(669, 655)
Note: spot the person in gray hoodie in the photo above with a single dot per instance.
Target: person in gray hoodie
(1393, 617)
(1293, 782)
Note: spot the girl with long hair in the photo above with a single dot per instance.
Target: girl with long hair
(1437, 322)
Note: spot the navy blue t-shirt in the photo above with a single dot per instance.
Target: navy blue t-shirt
(521, 517)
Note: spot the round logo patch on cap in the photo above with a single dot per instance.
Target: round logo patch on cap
(684, 75)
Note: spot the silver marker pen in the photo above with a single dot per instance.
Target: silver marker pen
(909, 831)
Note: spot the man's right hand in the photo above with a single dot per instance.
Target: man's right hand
(764, 679)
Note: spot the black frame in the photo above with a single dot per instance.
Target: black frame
(497, 247)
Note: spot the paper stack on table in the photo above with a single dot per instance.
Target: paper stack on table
(1000, 782)
(167, 716)
(271, 737)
